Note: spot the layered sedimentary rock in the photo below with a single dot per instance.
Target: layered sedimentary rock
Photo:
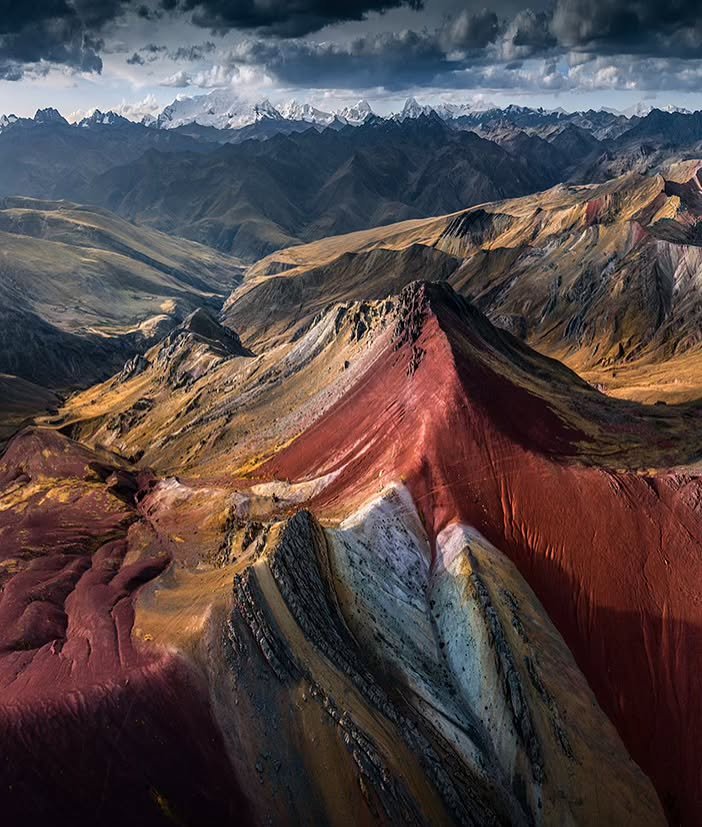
(612, 555)
(399, 569)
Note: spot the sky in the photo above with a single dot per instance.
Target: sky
(136, 57)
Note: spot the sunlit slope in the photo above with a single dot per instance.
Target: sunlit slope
(606, 277)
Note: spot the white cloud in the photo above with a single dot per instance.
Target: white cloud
(180, 80)
(136, 111)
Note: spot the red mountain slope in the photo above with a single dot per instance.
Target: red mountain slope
(356, 610)
(615, 557)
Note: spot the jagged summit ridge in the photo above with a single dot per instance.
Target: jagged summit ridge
(221, 109)
(49, 116)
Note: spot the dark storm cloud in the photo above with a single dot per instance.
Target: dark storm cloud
(191, 54)
(531, 30)
(651, 28)
(477, 46)
(394, 60)
(149, 12)
(180, 54)
(471, 30)
(54, 42)
(628, 26)
(65, 32)
(471, 38)
(91, 14)
(282, 17)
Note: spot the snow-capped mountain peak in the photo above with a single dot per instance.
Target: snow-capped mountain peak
(49, 116)
(641, 110)
(98, 118)
(450, 111)
(355, 115)
(413, 109)
(295, 111)
(222, 109)
(265, 109)
(7, 120)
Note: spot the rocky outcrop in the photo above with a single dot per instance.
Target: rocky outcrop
(133, 367)
(194, 348)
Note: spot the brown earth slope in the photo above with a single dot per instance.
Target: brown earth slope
(82, 290)
(604, 277)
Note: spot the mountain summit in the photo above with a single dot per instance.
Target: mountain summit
(412, 109)
(221, 109)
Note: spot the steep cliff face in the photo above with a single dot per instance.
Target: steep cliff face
(400, 569)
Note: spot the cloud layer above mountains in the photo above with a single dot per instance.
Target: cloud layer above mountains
(361, 44)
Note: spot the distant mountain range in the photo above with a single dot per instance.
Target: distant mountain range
(258, 196)
(276, 180)
(223, 117)
(224, 110)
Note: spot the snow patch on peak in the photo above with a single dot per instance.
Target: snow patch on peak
(355, 115)
(413, 109)
(295, 111)
(221, 108)
(7, 120)
(641, 110)
(450, 111)
(98, 118)
(49, 115)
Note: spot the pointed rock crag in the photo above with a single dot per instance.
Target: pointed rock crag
(195, 346)
(49, 116)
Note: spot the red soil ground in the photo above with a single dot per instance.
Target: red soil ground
(93, 729)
